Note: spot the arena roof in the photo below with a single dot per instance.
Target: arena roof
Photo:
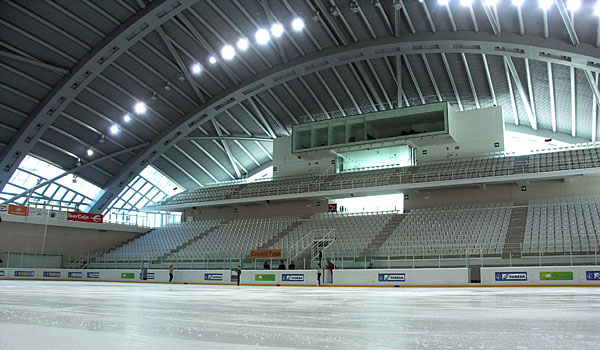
(72, 73)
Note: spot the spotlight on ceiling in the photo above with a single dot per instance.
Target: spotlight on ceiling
(262, 36)
(468, 3)
(114, 129)
(518, 3)
(89, 152)
(443, 2)
(573, 5)
(242, 44)
(597, 9)
(212, 60)
(127, 118)
(196, 68)
(140, 108)
(297, 24)
(227, 52)
(277, 30)
(545, 4)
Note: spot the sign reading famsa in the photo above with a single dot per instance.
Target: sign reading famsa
(85, 217)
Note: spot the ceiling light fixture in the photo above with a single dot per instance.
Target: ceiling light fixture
(242, 44)
(212, 60)
(491, 3)
(89, 152)
(127, 118)
(114, 129)
(277, 30)
(518, 3)
(228, 52)
(297, 24)
(140, 108)
(597, 8)
(573, 5)
(467, 3)
(262, 36)
(443, 2)
(196, 68)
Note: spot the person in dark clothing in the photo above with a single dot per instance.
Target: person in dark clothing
(320, 257)
(238, 270)
(171, 274)
(281, 266)
(292, 266)
(266, 265)
(330, 267)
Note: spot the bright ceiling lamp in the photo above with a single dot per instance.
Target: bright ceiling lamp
(89, 152)
(139, 108)
(262, 36)
(468, 3)
(277, 29)
(127, 118)
(228, 52)
(242, 44)
(545, 4)
(573, 5)
(443, 2)
(212, 60)
(297, 24)
(491, 3)
(597, 8)
(518, 3)
(196, 68)
(114, 129)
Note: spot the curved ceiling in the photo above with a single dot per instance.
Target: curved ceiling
(71, 70)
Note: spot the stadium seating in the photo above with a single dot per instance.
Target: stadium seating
(456, 169)
(451, 231)
(562, 225)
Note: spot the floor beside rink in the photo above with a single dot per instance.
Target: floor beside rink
(76, 315)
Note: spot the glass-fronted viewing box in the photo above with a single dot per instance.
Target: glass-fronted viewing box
(394, 124)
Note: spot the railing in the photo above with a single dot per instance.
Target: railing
(406, 175)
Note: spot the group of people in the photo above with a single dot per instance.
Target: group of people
(281, 266)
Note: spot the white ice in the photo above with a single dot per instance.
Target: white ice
(80, 315)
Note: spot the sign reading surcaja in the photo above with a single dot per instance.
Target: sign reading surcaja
(511, 276)
(213, 276)
(292, 277)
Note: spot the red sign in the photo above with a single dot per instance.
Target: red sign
(20, 210)
(85, 217)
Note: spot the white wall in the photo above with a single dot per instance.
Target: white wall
(288, 164)
(473, 133)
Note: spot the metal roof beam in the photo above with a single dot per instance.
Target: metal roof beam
(399, 91)
(530, 88)
(345, 87)
(88, 68)
(491, 16)
(366, 79)
(34, 62)
(573, 103)
(185, 172)
(456, 95)
(451, 18)
(231, 138)
(378, 81)
(340, 15)
(272, 115)
(384, 16)
(513, 71)
(551, 92)
(315, 98)
(407, 16)
(520, 20)
(413, 78)
(227, 150)
(568, 21)
(511, 93)
(262, 118)
(208, 154)
(283, 106)
(428, 15)
(470, 78)
(431, 77)
(595, 105)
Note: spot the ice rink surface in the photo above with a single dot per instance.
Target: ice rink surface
(80, 315)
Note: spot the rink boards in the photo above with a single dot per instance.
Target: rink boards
(496, 276)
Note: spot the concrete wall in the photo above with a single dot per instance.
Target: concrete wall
(453, 196)
(543, 275)
(27, 237)
(262, 209)
(289, 164)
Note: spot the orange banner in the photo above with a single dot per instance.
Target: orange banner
(20, 210)
(265, 253)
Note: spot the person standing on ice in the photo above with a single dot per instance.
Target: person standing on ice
(330, 267)
(238, 270)
(171, 274)
(319, 275)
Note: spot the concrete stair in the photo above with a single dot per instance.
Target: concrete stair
(270, 243)
(385, 233)
(190, 241)
(119, 245)
(515, 234)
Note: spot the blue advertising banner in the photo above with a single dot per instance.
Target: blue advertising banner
(23, 273)
(93, 275)
(392, 277)
(1, 273)
(149, 275)
(75, 274)
(511, 276)
(213, 276)
(292, 277)
(54, 274)
(592, 275)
